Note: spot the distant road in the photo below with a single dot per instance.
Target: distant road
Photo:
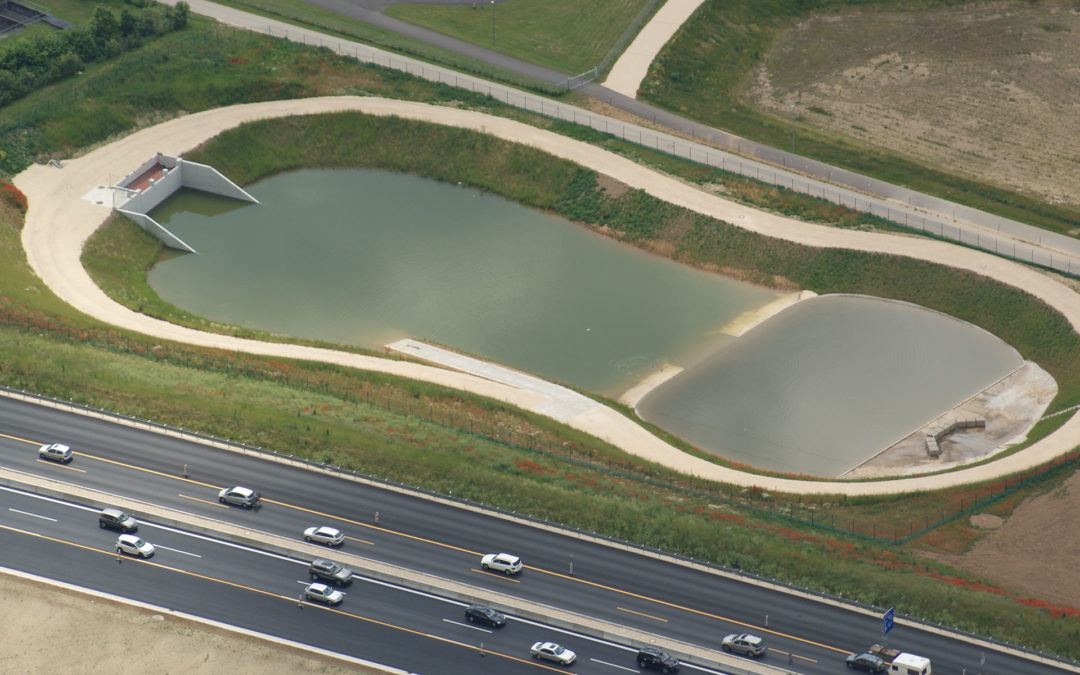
(933, 215)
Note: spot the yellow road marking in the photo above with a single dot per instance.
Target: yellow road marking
(362, 541)
(496, 575)
(793, 654)
(21, 440)
(647, 616)
(62, 466)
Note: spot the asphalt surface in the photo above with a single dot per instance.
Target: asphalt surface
(257, 590)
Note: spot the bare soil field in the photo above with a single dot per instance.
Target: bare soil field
(61, 631)
(1034, 550)
(988, 90)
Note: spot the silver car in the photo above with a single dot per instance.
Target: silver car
(744, 643)
(550, 651)
(57, 452)
(331, 536)
(240, 496)
(320, 592)
(133, 545)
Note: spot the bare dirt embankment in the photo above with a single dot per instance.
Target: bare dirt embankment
(1034, 550)
(987, 90)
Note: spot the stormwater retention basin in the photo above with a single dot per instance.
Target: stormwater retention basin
(828, 384)
(367, 257)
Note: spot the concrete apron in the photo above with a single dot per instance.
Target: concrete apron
(381, 571)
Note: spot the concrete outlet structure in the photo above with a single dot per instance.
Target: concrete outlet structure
(138, 193)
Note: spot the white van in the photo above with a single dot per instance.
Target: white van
(909, 664)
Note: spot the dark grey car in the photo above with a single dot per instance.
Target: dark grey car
(866, 661)
(115, 519)
(657, 659)
(328, 570)
(485, 616)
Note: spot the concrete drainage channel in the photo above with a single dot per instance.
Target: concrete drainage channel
(388, 573)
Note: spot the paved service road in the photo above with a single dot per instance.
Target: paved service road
(928, 213)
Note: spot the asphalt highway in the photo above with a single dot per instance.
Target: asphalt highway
(240, 586)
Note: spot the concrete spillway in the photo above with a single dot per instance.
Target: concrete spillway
(139, 192)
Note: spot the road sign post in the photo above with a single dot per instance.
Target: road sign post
(887, 621)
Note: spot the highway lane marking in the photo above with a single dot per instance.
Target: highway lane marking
(151, 471)
(204, 501)
(793, 655)
(464, 550)
(176, 550)
(362, 541)
(647, 616)
(497, 576)
(32, 515)
(467, 625)
(21, 440)
(61, 466)
(615, 665)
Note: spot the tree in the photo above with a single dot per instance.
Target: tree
(180, 18)
(104, 25)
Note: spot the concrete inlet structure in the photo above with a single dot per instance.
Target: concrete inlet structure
(138, 193)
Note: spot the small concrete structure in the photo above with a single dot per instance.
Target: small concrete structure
(156, 180)
(933, 439)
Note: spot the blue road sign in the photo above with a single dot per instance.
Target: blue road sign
(887, 621)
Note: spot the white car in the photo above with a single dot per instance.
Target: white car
(133, 545)
(550, 651)
(501, 562)
(323, 593)
(331, 536)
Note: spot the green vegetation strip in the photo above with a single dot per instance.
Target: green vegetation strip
(569, 36)
(305, 15)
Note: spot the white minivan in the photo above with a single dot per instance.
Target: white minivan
(909, 664)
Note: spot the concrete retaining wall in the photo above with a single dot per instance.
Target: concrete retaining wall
(155, 228)
(142, 194)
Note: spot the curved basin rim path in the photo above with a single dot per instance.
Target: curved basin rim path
(59, 220)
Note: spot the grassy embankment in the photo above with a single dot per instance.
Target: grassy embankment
(701, 72)
(564, 35)
(353, 419)
(304, 15)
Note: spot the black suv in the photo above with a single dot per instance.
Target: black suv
(115, 519)
(657, 659)
(328, 570)
(484, 615)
